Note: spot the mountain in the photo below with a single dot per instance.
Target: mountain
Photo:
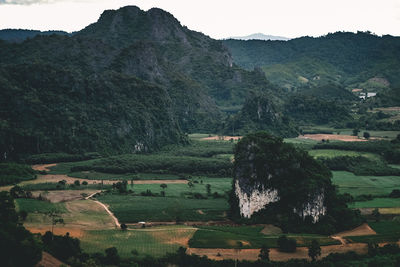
(353, 60)
(18, 36)
(132, 81)
(261, 36)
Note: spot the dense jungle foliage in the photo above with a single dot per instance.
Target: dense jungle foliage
(117, 86)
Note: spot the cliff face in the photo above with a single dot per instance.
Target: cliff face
(251, 201)
(271, 174)
(257, 197)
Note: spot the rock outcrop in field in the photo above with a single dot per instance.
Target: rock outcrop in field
(272, 174)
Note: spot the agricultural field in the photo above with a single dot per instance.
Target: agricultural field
(377, 203)
(37, 206)
(133, 209)
(347, 131)
(184, 199)
(387, 231)
(363, 185)
(331, 153)
(247, 237)
(154, 241)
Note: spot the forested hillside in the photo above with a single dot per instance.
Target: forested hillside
(133, 81)
(17, 36)
(360, 60)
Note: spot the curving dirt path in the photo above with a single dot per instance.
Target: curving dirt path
(110, 213)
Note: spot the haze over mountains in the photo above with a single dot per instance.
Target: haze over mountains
(137, 80)
(260, 36)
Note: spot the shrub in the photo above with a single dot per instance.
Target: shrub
(286, 244)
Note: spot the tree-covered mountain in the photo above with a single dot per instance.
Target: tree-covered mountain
(132, 81)
(17, 36)
(360, 60)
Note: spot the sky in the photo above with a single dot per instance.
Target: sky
(218, 18)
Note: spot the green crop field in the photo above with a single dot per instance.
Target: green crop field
(130, 209)
(347, 131)
(219, 185)
(358, 185)
(178, 202)
(155, 241)
(331, 153)
(94, 175)
(246, 237)
(387, 231)
(37, 206)
(377, 203)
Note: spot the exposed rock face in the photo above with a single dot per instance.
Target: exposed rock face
(314, 208)
(254, 201)
(258, 197)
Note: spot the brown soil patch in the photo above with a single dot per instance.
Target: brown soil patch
(55, 178)
(74, 232)
(43, 167)
(270, 229)
(319, 137)
(64, 195)
(221, 138)
(177, 236)
(388, 109)
(363, 229)
(275, 255)
(49, 261)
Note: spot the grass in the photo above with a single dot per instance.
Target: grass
(38, 206)
(94, 175)
(55, 186)
(246, 237)
(219, 185)
(306, 144)
(155, 241)
(359, 185)
(377, 203)
(332, 153)
(387, 231)
(347, 131)
(177, 203)
(130, 209)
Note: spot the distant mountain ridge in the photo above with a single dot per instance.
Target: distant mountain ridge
(354, 60)
(260, 36)
(20, 35)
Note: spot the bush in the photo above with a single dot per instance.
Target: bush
(12, 173)
(286, 244)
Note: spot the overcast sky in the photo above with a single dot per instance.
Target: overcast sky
(218, 18)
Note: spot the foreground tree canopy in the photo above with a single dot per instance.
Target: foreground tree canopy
(274, 182)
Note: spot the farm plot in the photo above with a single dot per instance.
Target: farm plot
(332, 153)
(377, 203)
(132, 209)
(78, 215)
(246, 237)
(181, 202)
(359, 185)
(386, 231)
(154, 241)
